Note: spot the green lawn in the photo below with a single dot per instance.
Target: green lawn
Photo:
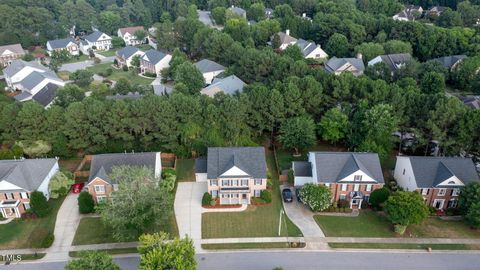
(79, 58)
(405, 246)
(245, 245)
(256, 221)
(91, 230)
(112, 251)
(107, 53)
(144, 47)
(185, 170)
(118, 74)
(29, 233)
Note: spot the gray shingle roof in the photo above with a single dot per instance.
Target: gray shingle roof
(229, 85)
(206, 66)
(23, 96)
(34, 78)
(334, 166)
(450, 61)
(248, 159)
(239, 11)
(46, 95)
(101, 165)
(60, 43)
(93, 37)
(17, 65)
(127, 52)
(27, 174)
(284, 38)
(15, 48)
(201, 165)
(431, 171)
(395, 61)
(335, 63)
(302, 168)
(306, 46)
(153, 56)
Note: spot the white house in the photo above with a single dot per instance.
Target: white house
(311, 50)
(209, 69)
(128, 35)
(9, 53)
(96, 41)
(66, 44)
(154, 61)
(410, 13)
(285, 39)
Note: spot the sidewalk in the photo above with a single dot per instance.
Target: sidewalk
(252, 240)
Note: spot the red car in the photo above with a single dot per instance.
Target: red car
(77, 187)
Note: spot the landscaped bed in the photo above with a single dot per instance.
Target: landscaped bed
(252, 245)
(404, 246)
(185, 170)
(256, 221)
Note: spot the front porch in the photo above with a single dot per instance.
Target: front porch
(356, 199)
(9, 208)
(234, 195)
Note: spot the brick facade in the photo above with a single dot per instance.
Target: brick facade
(434, 198)
(339, 194)
(15, 196)
(97, 196)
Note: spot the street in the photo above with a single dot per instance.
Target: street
(337, 260)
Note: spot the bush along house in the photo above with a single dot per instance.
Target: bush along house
(19, 178)
(351, 177)
(234, 174)
(437, 179)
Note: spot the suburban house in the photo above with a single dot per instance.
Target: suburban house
(339, 65)
(209, 69)
(471, 101)
(96, 41)
(228, 85)
(125, 56)
(9, 53)
(393, 61)
(154, 61)
(311, 50)
(269, 13)
(67, 44)
(35, 81)
(450, 62)
(238, 11)
(233, 174)
(19, 178)
(350, 176)
(437, 179)
(435, 11)
(128, 35)
(410, 13)
(99, 183)
(285, 39)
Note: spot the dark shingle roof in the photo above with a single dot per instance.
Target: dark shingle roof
(201, 165)
(302, 168)
(93, 37)
(27, 174)
(34, 78)
(17, 65)
(127, 52)
(251, 160)
(396, 61)
(60, 43)
(46, 95)
(229, 85)
(206, 66)
(101, 165)
(450, 61)
(153, 56)
(431, 171)
(335, 63)
(334, 166)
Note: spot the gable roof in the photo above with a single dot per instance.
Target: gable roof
(471, 101)
(302, 168)
(93, 37)
(306, 47)
(251, 160)
(206, 65)
(131, 30)
(238, 11)
(153, 56)
(101, 165)
(451, 60)
(47, 94)
(127, 52)
(14, 48)
(285, 39)
(27, 174)
(334, 166)
(410, 12)
(17, 65)
(431, 171)
(229, 85)
(60, 43)
(335, 63)
(395, 61)
(36, 77)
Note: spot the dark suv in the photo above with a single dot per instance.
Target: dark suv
(287, 195)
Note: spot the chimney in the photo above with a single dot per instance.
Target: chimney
(359, 56)
(304, 15)
(287, 32)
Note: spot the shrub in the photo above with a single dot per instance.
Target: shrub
(96, 60)
(48, 240)
(206, 199)
(108, 72)
(85, 203)
(473, 215)
(343, 203)
(266, 196)
(39, 204)
(125, 68)
(379, 196)
(316, 197)
(269, 183)
(405, 208)
(150, 74)
(168, 172)
(213, 202)
(291, 178)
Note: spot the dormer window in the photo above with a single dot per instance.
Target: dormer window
(451, 182)
(357, 178)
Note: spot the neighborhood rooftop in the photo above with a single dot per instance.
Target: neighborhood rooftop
(153, 56)
(93, 37)
(127, 52)
(60, 43)
(131, 30)
(335, 63)
(14, 48)
(228, 85)
(250, 160)
(206, 66)
(26, 174)
(18, 65)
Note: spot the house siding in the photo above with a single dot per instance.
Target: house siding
(249, 193)
(99, 182)
(433, 195)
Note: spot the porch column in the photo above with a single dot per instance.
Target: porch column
(3, 212)
(360, 204)
(351, 203)
(17, 212)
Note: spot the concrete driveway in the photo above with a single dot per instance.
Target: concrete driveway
(188, 210)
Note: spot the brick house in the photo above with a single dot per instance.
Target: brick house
(125, 56)
(128, 35)
(154, 61)
(19, 178)
(100, 186)
(350, 176)
(437, 179)
(233, 174)
(9, 53)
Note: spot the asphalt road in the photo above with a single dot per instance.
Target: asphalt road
(306, 260)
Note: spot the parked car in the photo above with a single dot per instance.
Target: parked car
(287, 195)
(77, 187)
(297, 193)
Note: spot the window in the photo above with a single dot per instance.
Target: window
(356, 187)
(368, 187)
(9, 196)
(327, 185)
(235, 183)
(452, 204)
(99, 189)
(442, 191)
(244, 183)
(101, 198)
(344, 187)
(343, 197)
(24, 195)
(357, 178)
(225, 183)
(455, 192)
(366, 198)
(258, 182)
(26, 206)
(214, 193)
(213, 183)
(424, 191)
(403, 172)
(257, 193)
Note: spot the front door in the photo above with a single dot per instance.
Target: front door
(438, 204)
(244, 198)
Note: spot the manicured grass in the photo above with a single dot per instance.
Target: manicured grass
(144, 47)
(256, 221)
(405, 246)
(79, 58)
(107, 53)
(185, 170)
(118, 74)
(29, 233)
(113, 251)
(91, 230)
(367, 224)
(245, 245)
(25, 257)
(64, 75)
(435, 227)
